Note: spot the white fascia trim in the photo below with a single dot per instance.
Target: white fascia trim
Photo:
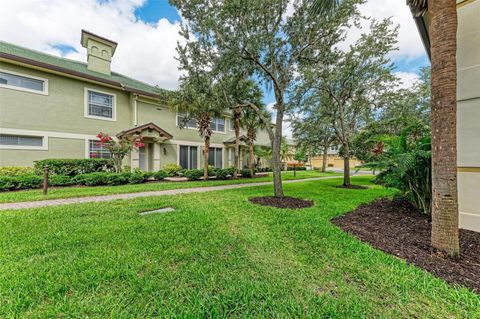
(114, 110)
(17, 88)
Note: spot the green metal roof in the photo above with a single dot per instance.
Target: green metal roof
(9, 50)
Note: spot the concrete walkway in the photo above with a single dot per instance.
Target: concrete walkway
(106, 198)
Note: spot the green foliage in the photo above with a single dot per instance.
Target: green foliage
(73, 167)
(28, 181)
(246, 173)
(406, 164)
(7, 183)
(193, 174)
(297, 168)
(171, 169)
(92, 179)
(222, 174)
(60, 180)
(15, 170)
(137, 178)
(160, 175)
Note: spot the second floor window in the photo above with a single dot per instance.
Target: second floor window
(183, 121)
(23, 83)
(100, 105)
(218, 125)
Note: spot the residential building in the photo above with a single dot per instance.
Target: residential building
(52, 107)
(468, 107)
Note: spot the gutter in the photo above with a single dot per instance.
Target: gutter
(74, 73)
(422, 29)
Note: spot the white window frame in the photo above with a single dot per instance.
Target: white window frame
(87, 147)
(232, 128)
(114, 106)
(43, 147)
(18, 88)
(224, 125)
(178, 125)
(199, 150)
(223, 155)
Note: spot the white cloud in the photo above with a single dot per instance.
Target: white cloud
(409, 42)
(408, 79)
(145, 51)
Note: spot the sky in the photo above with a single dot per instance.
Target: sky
(147, 34)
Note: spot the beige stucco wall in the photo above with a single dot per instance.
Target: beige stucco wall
(468, 114)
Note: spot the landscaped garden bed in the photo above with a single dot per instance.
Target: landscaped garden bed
(397, 228)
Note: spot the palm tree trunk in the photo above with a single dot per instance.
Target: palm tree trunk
(251, 162)
(236, 115)
(206, 147)
(443, 30)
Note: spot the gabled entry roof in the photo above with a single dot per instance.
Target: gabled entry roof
(149, 126)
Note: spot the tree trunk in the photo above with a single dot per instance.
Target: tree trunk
(443, 29)
(205, 157)
(276, 146)
(251, 162)
(236, 115)
(346, 165)
(324, 158)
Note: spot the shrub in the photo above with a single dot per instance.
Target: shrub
(60, 180)
(29, 181)
(15, 170)
(92, 179)
(193, 174)
(406, 160)
(172, 169)
(298, 168)
(74, 167)
(7, 183)
(246, 173)
(222, 173)
(136, 178)
(160, 175)
(212, 170)
(117, 178)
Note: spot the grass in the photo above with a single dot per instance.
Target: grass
(68, 192)
(216, 256)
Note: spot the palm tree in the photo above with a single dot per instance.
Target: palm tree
(443, 47)
(325, 7)
(198, 100)
(252, 122)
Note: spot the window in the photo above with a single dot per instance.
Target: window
(20, 140)
(188, 157)
(22, 82)
(182, 121)
(215, 157)
(100, 105)
(218, 125)
(95, 150)
(231, 126)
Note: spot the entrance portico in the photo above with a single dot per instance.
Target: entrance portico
(147, 158)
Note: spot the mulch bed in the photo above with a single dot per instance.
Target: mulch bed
(282, 202)
(397, 228)
(352, 186)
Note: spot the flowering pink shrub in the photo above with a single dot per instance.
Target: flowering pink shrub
(119, 148)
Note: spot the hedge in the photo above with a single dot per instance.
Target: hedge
(171, 169)
(74, 167)
(15, 170)
(193, 174)
(298, 168)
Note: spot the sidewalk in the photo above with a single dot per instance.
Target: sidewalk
(106, 198)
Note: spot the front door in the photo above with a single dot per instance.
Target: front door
(142, 158)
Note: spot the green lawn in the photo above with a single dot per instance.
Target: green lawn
(216, 256)
(66, 192)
